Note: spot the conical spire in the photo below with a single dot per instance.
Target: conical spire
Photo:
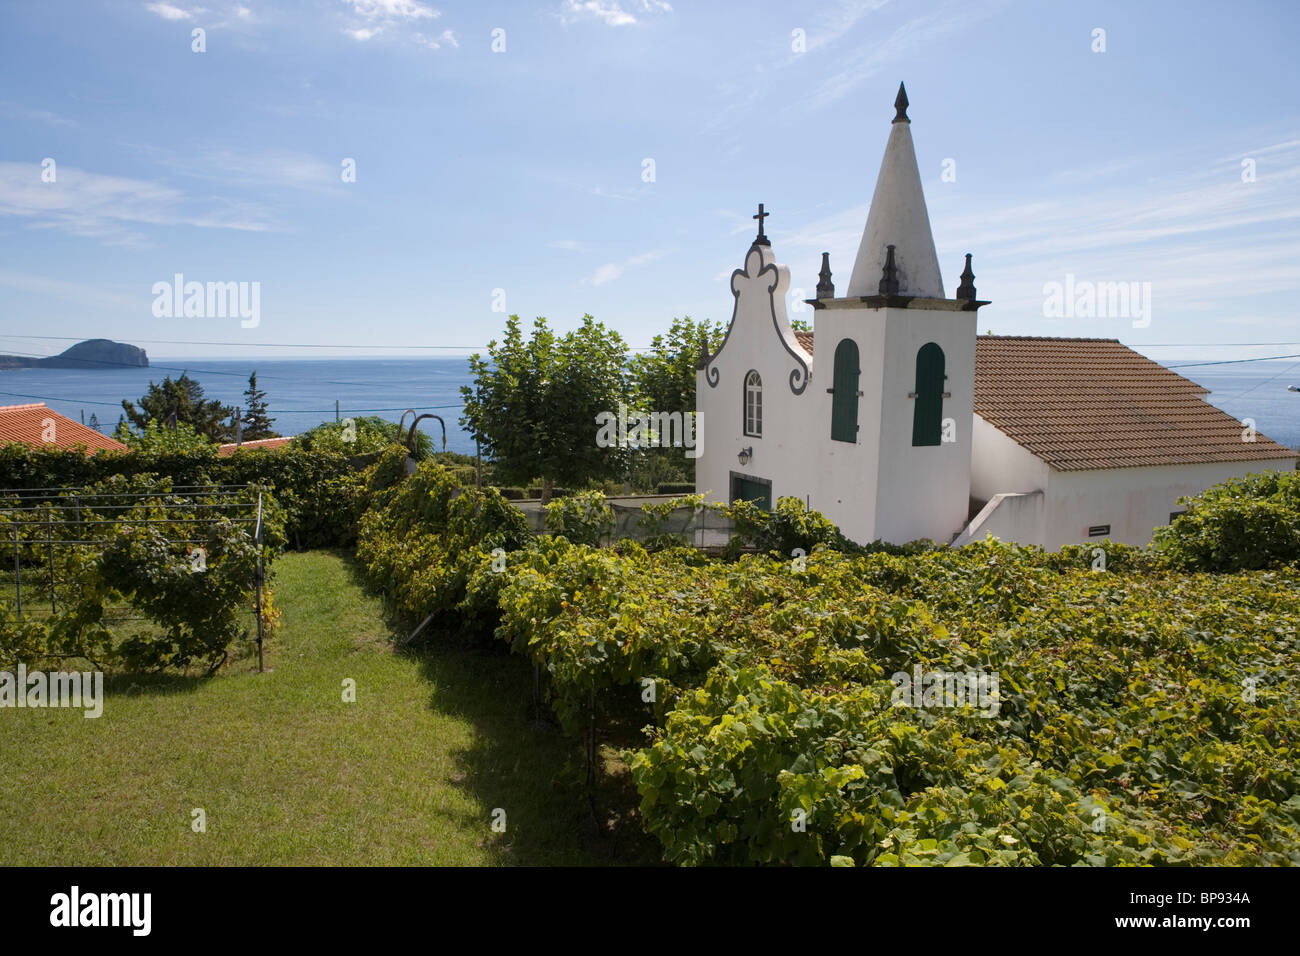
(898, 216)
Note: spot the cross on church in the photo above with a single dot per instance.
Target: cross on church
(762, 239)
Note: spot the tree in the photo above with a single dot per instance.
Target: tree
(362, 436)
(257, 421)
(156, 438)
(94, 421)
(665, 378)
(533, 405)
(665, 374)
(183, 398)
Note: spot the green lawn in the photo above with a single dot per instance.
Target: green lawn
(286, 771)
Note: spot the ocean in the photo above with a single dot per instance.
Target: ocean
(301, 393)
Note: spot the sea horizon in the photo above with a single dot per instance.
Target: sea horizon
(301, 390)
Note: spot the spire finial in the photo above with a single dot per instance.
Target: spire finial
(967, 288)
(900, 104)
(889, 277)
(762, 237)
(825, 288)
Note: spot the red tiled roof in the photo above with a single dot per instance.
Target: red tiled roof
(1094, 403)
(225, 451)
(32, 424)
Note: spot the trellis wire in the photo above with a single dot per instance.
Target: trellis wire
(69, 504)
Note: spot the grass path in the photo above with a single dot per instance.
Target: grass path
(288, 773)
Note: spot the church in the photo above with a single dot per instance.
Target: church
(903, 423)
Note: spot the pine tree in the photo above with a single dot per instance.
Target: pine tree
(94, 421)
(257, 420)
(182, 398)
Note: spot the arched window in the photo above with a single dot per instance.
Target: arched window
(754, 405)
(927, 415)
(844, 392)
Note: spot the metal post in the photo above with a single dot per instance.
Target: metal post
(591, 742)
(257, 537)
(18, 576)
(49, 534)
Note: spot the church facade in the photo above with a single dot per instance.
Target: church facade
(903, 423)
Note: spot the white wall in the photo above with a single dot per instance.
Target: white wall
(754, 340)
(1133, 501)
(1011, 516)
(923, 492)
(999, 464)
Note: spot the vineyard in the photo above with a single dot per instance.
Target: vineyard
(1144, 711)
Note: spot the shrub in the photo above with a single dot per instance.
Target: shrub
(583, 518)
(1243, 524)
(425, 538)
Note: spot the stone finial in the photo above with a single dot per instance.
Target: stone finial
(889, 277)
(825, 287)
(967, 288)
(900, 105)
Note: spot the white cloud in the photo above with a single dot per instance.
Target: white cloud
(392, 10)
(370, 18)
(446, 38)
(606, 273)
(169, 12)
(612, 13)
(612, 270)
(109, 208)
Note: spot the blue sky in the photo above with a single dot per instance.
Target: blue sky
(522, 170)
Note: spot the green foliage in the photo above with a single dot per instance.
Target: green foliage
(787, 527)
(534, 404)
(183, 398)
(193, 582)
(429, 542)
(362, 436)
(322, 492)
(584, 518)
(156, 439)
(1243, 524)
(257, 420)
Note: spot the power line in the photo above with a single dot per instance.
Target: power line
(1266, 358)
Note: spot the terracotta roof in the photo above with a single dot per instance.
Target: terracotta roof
(27, 424)
(225, 451)
(1094, 403)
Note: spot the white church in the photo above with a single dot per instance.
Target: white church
(905, 424)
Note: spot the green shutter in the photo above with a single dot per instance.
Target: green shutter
(927, 416)
(844, 394)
